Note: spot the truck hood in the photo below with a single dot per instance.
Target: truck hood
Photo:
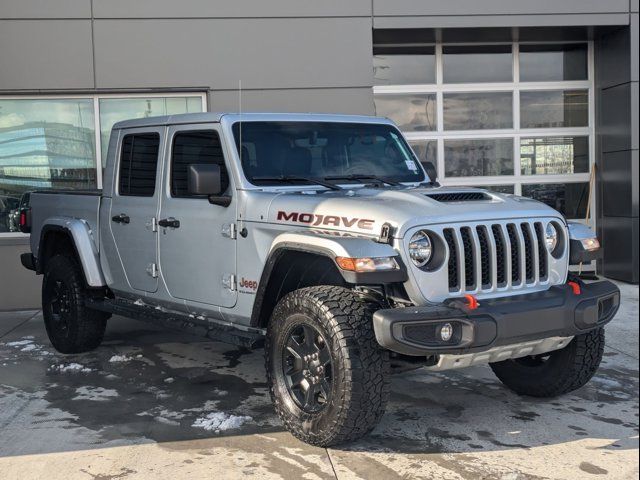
(365, 210)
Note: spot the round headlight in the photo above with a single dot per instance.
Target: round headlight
(420, 248)
(551, 237)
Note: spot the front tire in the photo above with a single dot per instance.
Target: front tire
(328, 377)
(555, 373)
(71, 327)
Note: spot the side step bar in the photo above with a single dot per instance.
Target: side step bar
(212, 328)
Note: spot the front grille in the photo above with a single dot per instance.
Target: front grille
(485, 257)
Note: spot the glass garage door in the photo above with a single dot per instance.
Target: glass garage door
(514, 118)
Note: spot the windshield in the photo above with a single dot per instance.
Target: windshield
(273, 153)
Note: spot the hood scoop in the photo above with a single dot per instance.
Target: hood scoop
(446, 197)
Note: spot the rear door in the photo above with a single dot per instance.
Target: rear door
(198, 254)
(134, 206)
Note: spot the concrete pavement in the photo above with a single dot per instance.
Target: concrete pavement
(151, 403)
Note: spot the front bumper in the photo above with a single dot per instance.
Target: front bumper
(556, 312)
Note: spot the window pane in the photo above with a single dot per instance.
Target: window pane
(549, 63)
(484, 63)
(113, 110)
(554, 108)
(404, 65)
(201, 146)
(486, 157)
(411, 112)
(426, 151)
(498, 188)
(554, 155)
(476, 111)
(44, 144)
(139, 164)
(568, 198)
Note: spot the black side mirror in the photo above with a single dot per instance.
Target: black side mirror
(431, 171)
(206, 179)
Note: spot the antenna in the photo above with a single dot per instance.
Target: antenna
(240, 113)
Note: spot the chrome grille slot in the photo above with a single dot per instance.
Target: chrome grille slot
(496, 257)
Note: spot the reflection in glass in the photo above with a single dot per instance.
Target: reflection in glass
(411, 112)
(498, 188)
(44, 144)
(568, 198)
(549, 63)
(554, 155)
(554, 108)
(404, 65)
(477, 63)
(479, 110)
(485, 157)
(113, 110)
(426, 151)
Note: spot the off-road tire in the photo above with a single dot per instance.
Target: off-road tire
(81, 329)
(562, 372)
(360, 367)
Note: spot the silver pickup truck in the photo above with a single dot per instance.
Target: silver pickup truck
(324, 238)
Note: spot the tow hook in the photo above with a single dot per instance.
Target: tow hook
(469, 302)
(575, 286)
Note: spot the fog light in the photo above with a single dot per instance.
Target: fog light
(446, 332)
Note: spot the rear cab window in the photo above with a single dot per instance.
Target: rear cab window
(138, 164)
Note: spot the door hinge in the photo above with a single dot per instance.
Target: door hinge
(229, 281)
(229, 230)
(152, 270)
(152, 224)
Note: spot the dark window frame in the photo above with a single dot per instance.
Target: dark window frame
(224, 166)
(121, 161)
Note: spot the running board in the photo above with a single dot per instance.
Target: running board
(212, 328)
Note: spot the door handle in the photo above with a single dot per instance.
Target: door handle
(122, 218)
(169, 222)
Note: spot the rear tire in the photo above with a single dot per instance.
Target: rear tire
(339, 392)
(71, 327)
(555, 373)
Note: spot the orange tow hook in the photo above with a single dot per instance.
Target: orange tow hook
(472, 302)
(575, 287)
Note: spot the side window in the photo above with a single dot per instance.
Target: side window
(200, 146)
(138, 164)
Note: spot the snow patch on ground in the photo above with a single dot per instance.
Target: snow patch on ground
(120, 359)
(95, 394)
(19, 343)
(71, 367)
(221, 421)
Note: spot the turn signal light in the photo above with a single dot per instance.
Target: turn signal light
(367, 264)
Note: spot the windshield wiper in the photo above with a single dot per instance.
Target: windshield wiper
(356, 176)
(296, 178)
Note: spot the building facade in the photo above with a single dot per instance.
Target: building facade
(533, 98)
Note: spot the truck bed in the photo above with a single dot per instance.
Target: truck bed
(63, 204)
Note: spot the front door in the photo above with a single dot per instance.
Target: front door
(197, 253)
(134, 207)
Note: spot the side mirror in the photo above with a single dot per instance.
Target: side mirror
(431, 171)
(206, 179)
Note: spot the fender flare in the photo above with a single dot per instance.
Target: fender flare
(330, 246)
(86, 249)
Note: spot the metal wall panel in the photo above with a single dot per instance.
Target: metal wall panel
(45, 9)
(264, 53)
(230, 9)
(615, 114)
(619, 176)
(19, 287)
(612, 58)
(319, 100)
(496, 7)
(621, 236)
(45, 54)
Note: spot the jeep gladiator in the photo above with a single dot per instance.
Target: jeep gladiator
(323, 238)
